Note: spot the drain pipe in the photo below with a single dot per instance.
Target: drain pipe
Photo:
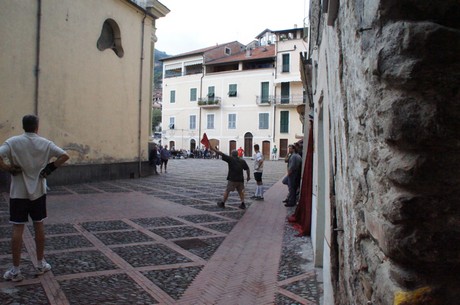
(141, 71)
(37, 55)
(199, 107)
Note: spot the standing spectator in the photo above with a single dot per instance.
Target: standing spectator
(235, 176)
(294, 175)
(285, 179)
(165, 154)
(240, 152)
(154, 158)
(258, 169)
(28, 156)
(274, 153)
(299, 148)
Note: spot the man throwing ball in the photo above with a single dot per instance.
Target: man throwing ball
(235, 176)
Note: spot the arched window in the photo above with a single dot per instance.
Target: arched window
(110, 38)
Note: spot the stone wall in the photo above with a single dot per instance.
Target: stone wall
(393, 75)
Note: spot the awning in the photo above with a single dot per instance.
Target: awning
(288, 79)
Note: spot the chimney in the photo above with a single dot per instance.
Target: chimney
(248, 52)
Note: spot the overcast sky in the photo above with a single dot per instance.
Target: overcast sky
(197, 24)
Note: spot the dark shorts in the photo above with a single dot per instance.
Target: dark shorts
(232, 185)
(258, 177)
(164, 161)
(21, 209)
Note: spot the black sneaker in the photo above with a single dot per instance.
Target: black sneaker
(259, 198)
(242, 206)
(221, 204)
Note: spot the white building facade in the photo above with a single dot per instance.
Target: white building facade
(238, 95)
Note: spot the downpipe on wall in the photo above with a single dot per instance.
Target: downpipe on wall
(37, 56)
(201, 96)
(141, 71)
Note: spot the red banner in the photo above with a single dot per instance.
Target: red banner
(205, 141)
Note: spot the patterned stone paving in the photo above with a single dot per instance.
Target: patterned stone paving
(147, 255)
(115, 238)
(173, 281)
(208, 247)
(157, 222)
(151, 259)
(106, 289)
(32, 294)
(79, 262)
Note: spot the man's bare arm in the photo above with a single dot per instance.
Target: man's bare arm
(12, 169)
(51, 167)
(61, 160)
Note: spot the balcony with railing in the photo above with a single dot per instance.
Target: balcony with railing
(209, 102)
(265, 100)
(289, 100)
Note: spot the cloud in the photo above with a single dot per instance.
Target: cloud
(198, 24)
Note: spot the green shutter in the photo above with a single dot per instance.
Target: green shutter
(193, 94)
(232, 91)
(263, 120)
(284, 121)
(285, 93)
(285, 62)
(264, 92)
(211, 93)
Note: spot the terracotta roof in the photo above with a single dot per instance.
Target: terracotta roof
(196, 52)
(257, 53)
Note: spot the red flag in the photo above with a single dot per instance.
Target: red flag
(205, 141)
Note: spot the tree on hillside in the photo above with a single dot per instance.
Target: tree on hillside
(156, 119)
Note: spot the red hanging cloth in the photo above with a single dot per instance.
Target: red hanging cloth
(205, 141)
(301, 219)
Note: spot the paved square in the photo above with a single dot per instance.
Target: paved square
(163, 240)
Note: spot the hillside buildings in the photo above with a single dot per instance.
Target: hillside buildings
(238, 95)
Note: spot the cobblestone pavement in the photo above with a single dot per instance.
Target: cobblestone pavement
(163, 240)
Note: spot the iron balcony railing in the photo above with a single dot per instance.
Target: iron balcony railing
(265, 100)
(290, 100)
(209, 102)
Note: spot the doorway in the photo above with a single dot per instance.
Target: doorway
(192, 145)
(283, 147)
(232, 146)
(248, 144)
(266, 149)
